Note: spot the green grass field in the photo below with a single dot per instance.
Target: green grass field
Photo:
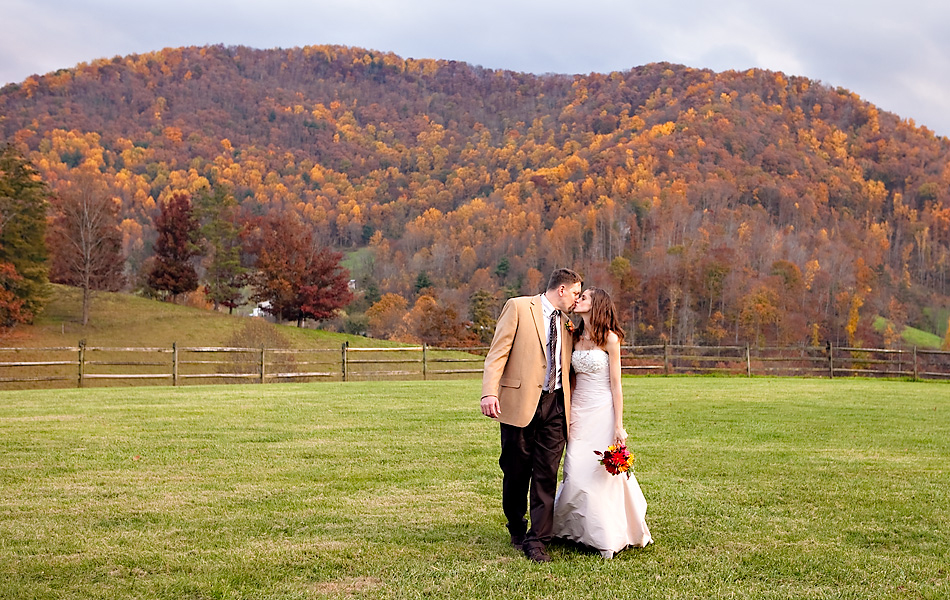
(758, 488)
(912, 336)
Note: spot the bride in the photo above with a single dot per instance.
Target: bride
(593, 507)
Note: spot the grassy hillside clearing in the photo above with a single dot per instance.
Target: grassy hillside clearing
(128, 320)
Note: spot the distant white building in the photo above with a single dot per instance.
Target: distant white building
(260, 309)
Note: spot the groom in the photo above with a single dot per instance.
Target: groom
(525, 387)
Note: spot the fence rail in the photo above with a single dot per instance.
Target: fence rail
(82, 365)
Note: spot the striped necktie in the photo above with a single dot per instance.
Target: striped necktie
(549, 383)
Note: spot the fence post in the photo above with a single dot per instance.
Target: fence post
(343, 347)
(82, 359)
(666, 359)
(916, 372)
(831, 360)
(425, 364)
(262, 364)
(174, 363)
(748, 361)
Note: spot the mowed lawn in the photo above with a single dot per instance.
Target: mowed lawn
(758, 488)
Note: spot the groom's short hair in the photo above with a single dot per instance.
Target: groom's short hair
(563, 277)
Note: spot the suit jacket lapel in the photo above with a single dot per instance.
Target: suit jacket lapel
(537, 311)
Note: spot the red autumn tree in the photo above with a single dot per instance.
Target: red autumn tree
(173, 271)
(295, 278)
(11, 307)
(84, 238)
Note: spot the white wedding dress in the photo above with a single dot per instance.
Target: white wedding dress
(603, 511)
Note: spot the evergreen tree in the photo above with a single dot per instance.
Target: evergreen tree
(224, 275)
(23, 202)
(371, 293)
(481, 310)
(423, 282)
(504, 266)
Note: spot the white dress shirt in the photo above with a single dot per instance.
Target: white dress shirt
(547, 309)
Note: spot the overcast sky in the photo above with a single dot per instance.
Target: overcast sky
(894, 54)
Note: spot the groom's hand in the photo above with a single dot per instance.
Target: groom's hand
(490, 407)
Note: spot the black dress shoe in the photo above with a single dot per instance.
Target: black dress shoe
(517, 542)
(537, 554)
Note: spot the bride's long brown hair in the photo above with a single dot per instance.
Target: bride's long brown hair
(603, 318)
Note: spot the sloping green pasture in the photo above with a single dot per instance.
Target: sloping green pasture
(118, 319)
(758, 488)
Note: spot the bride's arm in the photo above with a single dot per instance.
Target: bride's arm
(616, 391)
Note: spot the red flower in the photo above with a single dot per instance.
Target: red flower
(617, 460)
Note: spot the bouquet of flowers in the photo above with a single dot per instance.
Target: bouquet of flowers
(617, 459)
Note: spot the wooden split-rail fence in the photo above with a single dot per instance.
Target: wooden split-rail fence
(85, 365)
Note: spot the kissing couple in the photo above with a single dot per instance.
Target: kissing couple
(550, 383)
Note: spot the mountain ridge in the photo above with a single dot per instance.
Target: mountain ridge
(704, 201)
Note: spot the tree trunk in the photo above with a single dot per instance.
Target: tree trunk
(86, 293)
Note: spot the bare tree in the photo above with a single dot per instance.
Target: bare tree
(84, 238)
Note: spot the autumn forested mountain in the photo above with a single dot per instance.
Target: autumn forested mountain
(716, 207)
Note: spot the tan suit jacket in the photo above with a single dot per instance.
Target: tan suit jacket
(516, 363)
